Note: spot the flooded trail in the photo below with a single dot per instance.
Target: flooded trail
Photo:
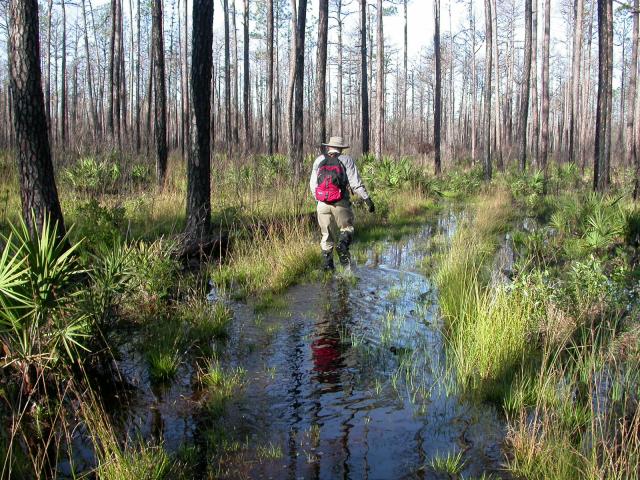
(345, 380)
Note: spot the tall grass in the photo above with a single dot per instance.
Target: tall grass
(270, 260)
(121, 459)
(557, 348)
(486, 325)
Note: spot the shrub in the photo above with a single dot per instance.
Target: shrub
(98, 225)
(40, 322)
(154, 272)
(93, 177)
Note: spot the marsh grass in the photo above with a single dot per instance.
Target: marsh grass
(117, 459)
(578, 416)
(163, 366)
(269, 451)
(451, 463)
(268, 261)
(485, 328)
(205, 321)
(220, 386)
(547, 347)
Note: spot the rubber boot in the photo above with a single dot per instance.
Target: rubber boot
(344, 243)
(327, 260)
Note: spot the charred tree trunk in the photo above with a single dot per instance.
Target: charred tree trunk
(199, 157)
(575, 79)
(631, 152)
(364, 91)
(320, 133)
(380, 86)
(487, 91)
(535, 112)
(544, 133)
(437, 110)
(159, 90)
(63, 75)
(298, 130)
(269, 109)
(526, 84)
(602, 117)
(227, 78)
(38, 190)
(246, 100)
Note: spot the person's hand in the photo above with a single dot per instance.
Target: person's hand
(372, 207)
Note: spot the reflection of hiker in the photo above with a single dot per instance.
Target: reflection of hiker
(327, 348)
(331, 177)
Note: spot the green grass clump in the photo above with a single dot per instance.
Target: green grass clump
(118, 460)
(269, 261)
(144, 463)
(270, 451)
(486, 326)
(220, 386)
(163, 366)
(451, 464)
(205, 321)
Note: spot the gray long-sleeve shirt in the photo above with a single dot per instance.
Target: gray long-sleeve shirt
(355, 182)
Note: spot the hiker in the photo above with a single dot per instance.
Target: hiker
(332, 175)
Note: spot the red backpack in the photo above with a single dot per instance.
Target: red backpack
(332, 180)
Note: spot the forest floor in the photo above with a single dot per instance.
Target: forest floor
(487, 331)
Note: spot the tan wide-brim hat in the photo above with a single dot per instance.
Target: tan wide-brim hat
(337, 142)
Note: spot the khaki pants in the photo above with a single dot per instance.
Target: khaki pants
(333, 219)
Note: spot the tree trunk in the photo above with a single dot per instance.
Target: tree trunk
(235, 89)
(138, 63)
(227, 78)
(48, 79)
(535, 120)
(364, 91)
(199, 157)
(544, 133)
(186, 113)
(526, 83)
(340, 73)
(437, 110)
(159, 90)
(602, 117)
(497, 97)
(93, 112)
(298, 130)
(38, 190)
(405, 80)
(609, 97)
(487, 90)
(631, 152)
(292, 72)
(63, 75)
(575, 78)
(474, 84)
(380, 86)
(246, 79)
(269, 109)
(320, 133)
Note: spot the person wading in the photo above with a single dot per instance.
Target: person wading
(332, 175)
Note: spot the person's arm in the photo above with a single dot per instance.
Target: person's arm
(355, 182)
(313, 181)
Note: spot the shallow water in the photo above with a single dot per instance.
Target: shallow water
(346, 381)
